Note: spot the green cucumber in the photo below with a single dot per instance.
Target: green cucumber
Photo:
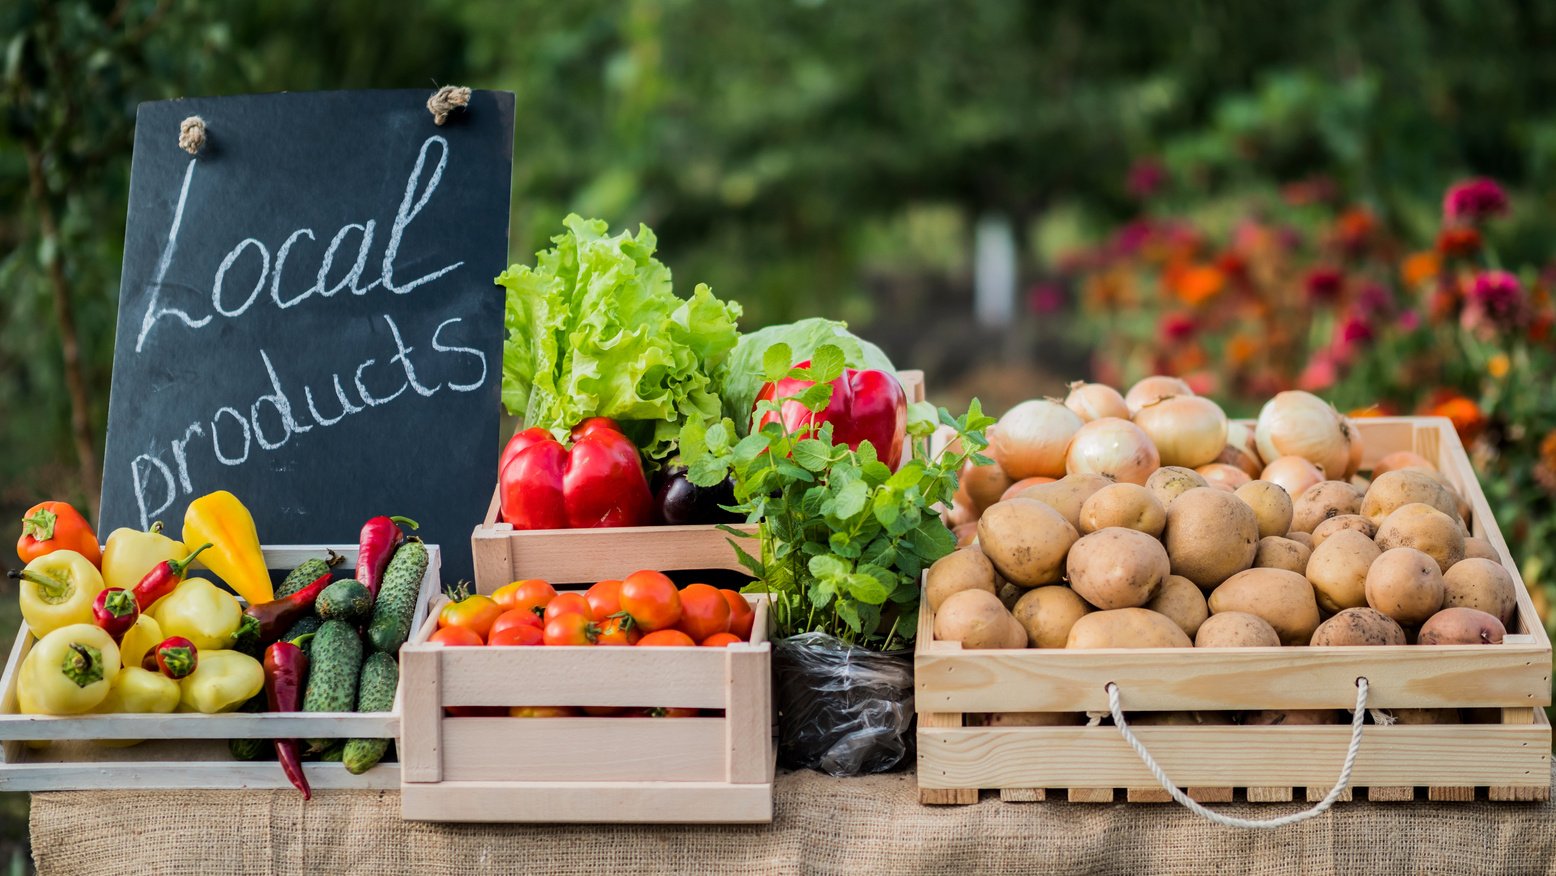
(397, 595)
(375, 693)
(306, 624)
(332, 752)
(334, 666)
(250, 749)
(347, 599)
(305, 574)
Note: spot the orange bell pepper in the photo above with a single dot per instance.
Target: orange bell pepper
(52, 526)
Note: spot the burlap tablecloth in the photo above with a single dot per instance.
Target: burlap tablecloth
(823, 825)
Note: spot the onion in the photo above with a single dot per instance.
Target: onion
(1022, 484)
(1402, 459)
(983, 484)
(1188, 430)
(1150, 389)
(1093, 401)
(1241, 450)
(1296, 423)
(1113, 447)
(1030, 440)
(1223, 476)
(1353, 464)
(959, 514)
(965, 534)
(1293, 473)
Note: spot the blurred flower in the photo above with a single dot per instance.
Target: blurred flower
(1176, 327)
(1498, 366)
(1495, 300)
(1146, 177)
(1354, 230)
(1443, 305)
(1313, 190)
(1374, 298)
(1545, 469)
(1241, 349)
(1419, 267)
(1203, 382)
(1324, 284)
(1194, 284)
(1356, 329)
(1474, 201)
(1410, 320)
(1321, 372)
(1234, 266)
(1045, 298)
(1468, 419)
(1458, 242)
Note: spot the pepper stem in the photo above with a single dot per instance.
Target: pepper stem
(83, 665)
(406, 521)
(120, 603)
(40, 525)
(333, 559)
(51, 588)
(179, 567)
(179, 662)
(156, 528)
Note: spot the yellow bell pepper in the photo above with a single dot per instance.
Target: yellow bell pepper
(221, 682)
(219, 518)
(138, 691)
(57, 590)
(68, 671)
(201, 612)
(130, 554)
(139, 640)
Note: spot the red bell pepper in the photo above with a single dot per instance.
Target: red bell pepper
(866, 405)
(598, 481)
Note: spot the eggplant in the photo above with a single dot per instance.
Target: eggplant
(678, 501)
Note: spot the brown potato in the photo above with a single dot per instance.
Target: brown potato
(1426, 529)
(1048, 613)
(1358, 626)
(1010, 594)
(1016, 635)
(1324, 501)
(1180, 600)
(1338, 570)
(1171, 481)
(1130, 506)
(976, 619)
(1236, 629)
(1127, 628)
(1026, 540)
(1034, 719)
(1068, 494)
(1303, 538)
(1180, 719)
(1284, 599)
(1211, 535)
(1461, 626)
(1293, 717)
(966, 569)
(1478, 583)
(1403, 486)
(1282, 553)
(1405, 584)
(1271, 505)
(1117, 568)
(1475, 546)
(1426, 716)
(1344, 522)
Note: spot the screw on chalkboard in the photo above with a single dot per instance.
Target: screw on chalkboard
(445, 100)
(191, 135)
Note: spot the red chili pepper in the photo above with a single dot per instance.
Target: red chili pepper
(163, 578)
(115, 611)
(286, 668)
(598, 481)
(176, 657)
(380, 536)
(277, 616)
(866, 405)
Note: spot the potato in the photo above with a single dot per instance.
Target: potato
(966, 569)
(1034, 719)
(1284, 599)
(1461, 626)
(1016, 636)
(1271, 505)
(975, 618)
(1480, 547)
(1282, 553)
(1171, 481)
(1026, 541)
(1293, 717)
(1402, 487)
(1426, 529)
(1181, 601)
(1047, 614)
(1179, 719)
(1344, 522)
(1426, 716)
(1479, 583)
(1324, 501)
(1128, 505)
(1303, 538)
(1126, 628)
(1068, 494)
(1210, 536)
(1010, 594)
(1338, 570)
(1236, 629)
(1405, 584)
(1358, 626)
(1117, 567)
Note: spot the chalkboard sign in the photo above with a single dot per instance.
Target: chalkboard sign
(307, 315)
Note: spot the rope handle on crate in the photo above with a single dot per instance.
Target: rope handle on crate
(1226, 820)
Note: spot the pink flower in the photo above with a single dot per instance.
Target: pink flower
(1374, 298)
(1324, 284)
(1146, 177)
(1473, 201)
(1046, 298)
(1496, 299)
(1355, 330)
(1410, 320)
(1320, 374)
(1175, 327)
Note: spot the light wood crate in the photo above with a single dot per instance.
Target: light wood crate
(502, 554)
(189, 751)
(1509, 757)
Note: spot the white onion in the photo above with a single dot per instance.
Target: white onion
(1223, 476)
(1293, 473)
(1188, 430)
(1093, 401)
(1402, 459)
(1114, 447)
(1296, 423)
(1150, 389)
(1031, 438)
(1353, 464)
(1024, 483)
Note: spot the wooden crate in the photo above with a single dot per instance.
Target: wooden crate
(503, 554)
(1510, 756)
(189, 750)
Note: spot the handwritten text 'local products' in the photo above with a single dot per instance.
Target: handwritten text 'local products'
(231, 433)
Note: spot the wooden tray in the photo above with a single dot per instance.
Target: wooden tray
(189, 750)
(1510, 755)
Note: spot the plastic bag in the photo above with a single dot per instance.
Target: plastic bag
(845, 711)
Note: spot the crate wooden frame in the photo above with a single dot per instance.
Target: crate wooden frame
(189, 751)
(502, 553)
(1508, 759)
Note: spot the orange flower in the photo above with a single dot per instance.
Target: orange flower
(1545, 469)
(1354, 228)
(1420, 267)
(1194, 284)
(1468, 419)
(1240, 349)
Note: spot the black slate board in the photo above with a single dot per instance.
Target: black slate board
(424, 443)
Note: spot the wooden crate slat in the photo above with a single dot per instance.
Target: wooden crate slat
(584, 749)
(171, 765)
(583, 676)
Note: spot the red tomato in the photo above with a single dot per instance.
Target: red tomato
(719, 640)
(508, 595)
(741, 614)
(667, 638)
(516, 617)
(604, 599)
(651, 600)
(571, 628)
(474, 613)
(704, 612)
(456, 636)
(570, 602)
(519, 634)
(533, 595)
(618, 631)
(542, 712)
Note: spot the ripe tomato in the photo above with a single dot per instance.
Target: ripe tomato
(719, 640)
(542, 712)
(516, 617)
(570, 602)
(532, 595)
(651, 600)
(518, 634)
(669, 638)
(474, 613)
(703, 612)
(508, 595)
(604, 599)
(618, 631)
(741, 614)
(456, 636)
(570, 628)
